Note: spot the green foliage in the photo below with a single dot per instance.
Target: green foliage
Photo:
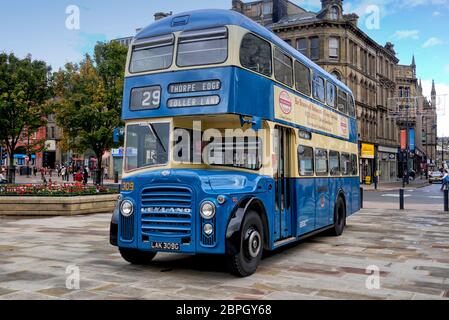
(24, 93)
(88, 99)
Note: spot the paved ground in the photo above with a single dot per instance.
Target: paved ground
(429, 197)
(411, 250)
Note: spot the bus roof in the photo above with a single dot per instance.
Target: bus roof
(208, 18)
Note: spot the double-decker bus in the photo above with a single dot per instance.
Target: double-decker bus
(235, 143)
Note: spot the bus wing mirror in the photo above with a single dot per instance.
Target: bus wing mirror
(257, 123)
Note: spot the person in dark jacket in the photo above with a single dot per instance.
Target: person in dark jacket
(85, 175)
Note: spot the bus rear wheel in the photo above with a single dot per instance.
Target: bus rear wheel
(135, 256)
(245, 262)
(339, 217)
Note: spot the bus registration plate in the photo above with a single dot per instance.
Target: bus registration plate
(165, 245)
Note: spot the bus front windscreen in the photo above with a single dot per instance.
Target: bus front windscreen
(146, 144)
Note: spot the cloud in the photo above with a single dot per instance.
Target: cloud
(406, 34)
(436, 13)
(432, 42)
(446, 68)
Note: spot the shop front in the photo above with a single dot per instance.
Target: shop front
(367, 161)
(388, 163)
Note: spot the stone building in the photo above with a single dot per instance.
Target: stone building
(333, 40)
(429, 137)
(416, 113)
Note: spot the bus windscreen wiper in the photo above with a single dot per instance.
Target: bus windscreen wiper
(156, 135)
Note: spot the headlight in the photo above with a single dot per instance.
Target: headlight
(126, 208)
(207, 210)
(208, 229)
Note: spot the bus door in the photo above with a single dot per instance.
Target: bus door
(282, 148)
(322, 209)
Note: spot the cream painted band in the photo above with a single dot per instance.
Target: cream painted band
(223, 122)
(295, 109)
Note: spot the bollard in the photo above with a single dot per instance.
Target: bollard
(361, 198)
(401, 199)
(446, 200)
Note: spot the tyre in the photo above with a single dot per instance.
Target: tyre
(135, 256)
(339, 217)
(245, 262)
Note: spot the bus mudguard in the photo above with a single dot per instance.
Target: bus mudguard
(235, 223)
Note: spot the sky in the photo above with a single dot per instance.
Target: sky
(45, 29)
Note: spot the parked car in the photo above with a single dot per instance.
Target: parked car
(435, 176)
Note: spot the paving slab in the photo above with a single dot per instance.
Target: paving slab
(408, 251)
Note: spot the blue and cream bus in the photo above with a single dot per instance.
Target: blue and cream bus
(218, 71)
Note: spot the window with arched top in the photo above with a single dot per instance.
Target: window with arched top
(334, 13)
(336, 75)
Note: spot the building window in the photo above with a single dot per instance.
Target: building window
(334, 13)
(255, 54)
(334, 47)
(336, 75)
(283, 68)
(302, 46)
(314, 48)
(52, 132)
(266, 8)
(302, 78)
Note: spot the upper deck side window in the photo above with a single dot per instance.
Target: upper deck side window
(201, 47)
(331, 94)
(342, 101)
(152, 54)
(302, 78)
(319, 91)
(283, 67)
(255, 54)
(351, 107)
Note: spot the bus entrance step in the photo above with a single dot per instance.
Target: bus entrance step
(284, 241)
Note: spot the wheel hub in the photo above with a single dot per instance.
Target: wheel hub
(254, 243)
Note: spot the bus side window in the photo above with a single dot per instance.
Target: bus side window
(302, 78)
(283, 68)
(255, 54)
(346, 164)
(342, 101)
(354, 165)
(305, 161)
(331, 95)
(318, 88)
(334, 163)
(351, 107)
(321, 163)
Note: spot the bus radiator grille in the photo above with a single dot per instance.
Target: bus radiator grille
(127, 227)
(166, 211)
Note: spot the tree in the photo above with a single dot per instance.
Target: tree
(88, 100)
(24, 93)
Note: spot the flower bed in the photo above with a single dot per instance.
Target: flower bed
(54, 190)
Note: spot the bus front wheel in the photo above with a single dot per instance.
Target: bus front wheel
(339, 217)
(245, 262)
(135, 256)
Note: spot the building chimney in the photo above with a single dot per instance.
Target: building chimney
(161, 15)
(280, 8)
